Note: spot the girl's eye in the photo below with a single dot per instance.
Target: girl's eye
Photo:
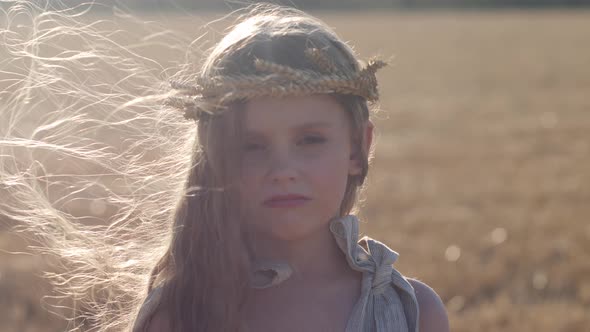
(252, 147)
(307, 140)
(312, 140)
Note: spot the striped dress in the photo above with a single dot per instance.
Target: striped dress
(387, 301)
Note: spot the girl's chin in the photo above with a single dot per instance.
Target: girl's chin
(287, 228)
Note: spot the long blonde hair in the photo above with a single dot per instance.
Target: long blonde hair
(168, 185)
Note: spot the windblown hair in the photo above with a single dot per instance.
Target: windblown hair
(84, 125)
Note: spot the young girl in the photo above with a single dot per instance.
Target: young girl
(264, 235)
(284, 130)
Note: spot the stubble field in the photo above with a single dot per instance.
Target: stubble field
(481, 176)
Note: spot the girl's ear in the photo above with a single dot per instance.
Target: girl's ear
(356, 163)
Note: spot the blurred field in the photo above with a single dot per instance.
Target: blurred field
(481, 179)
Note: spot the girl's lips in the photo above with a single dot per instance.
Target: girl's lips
(286, 201)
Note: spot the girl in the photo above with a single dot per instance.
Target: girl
(263, 236)
(284, 130)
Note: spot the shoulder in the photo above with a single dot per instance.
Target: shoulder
(433, 315)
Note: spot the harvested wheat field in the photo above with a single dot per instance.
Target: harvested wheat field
(481, 176)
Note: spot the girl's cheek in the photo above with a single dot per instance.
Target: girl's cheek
(326, 170)
(250, 174)
(252, 163)
(256, 159)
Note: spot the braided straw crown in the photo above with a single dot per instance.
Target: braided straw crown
(213, 94)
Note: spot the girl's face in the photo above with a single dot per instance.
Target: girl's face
(296, 159)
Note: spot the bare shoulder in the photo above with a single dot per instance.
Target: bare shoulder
(433, 315)
(160, 322)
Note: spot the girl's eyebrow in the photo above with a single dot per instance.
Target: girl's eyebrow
(303, 126)
(316, 124)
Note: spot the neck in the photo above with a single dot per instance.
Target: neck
(315, 259)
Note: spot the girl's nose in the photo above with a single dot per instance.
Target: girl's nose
(282, 168)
